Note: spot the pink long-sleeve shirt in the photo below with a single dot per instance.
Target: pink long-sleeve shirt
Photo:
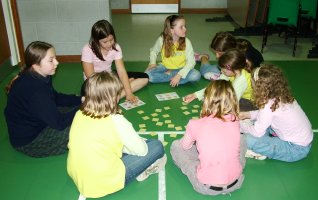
(218, 145)
(289, 122)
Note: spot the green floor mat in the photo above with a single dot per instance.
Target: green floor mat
(22, 177)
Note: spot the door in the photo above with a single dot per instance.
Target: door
(4, 42)
(154, 6)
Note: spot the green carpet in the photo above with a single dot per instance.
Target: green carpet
(22, 177)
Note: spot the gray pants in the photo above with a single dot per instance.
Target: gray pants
(187, 161)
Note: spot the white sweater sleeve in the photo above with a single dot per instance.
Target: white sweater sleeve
(200, 94)
(155, 50)
(133, 143)
(239, 85)
(190, 60)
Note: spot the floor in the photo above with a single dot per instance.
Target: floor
(27, 178)
(137, 33)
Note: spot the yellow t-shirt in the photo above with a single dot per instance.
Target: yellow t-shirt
(245, 77)
(94, 159)
(175, 61)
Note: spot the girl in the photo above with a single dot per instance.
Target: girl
(253, 57)
(232, 66)
(105, 152)
(211, 152)
(221, 42)
(280, 115)
(99, 54)
(177, 55)
(36, 125)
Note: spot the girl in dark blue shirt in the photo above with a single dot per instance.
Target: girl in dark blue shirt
(38, 117)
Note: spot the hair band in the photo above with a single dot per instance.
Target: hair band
(228, 67)
(256, 73)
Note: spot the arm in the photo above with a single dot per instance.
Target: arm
(244, 115)
(67, 99)
(223, 77)
(263, 121)
(200, 94)
(239, 85)
(190, 60)
(87, 61)
(155, 50)
(189, 98)
(88, 68)
(44, 107)
(124, 79)
(187, 140)
(133, 144)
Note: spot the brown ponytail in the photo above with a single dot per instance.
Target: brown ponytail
(33, 54)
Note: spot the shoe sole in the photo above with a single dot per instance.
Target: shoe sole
(162, 162)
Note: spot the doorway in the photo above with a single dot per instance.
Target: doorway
(4, 41)
(154, 6)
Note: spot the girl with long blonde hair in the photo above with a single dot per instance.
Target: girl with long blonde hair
(177, 56)
(105, 152)
(211, 152)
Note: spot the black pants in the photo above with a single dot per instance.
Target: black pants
(247, 105)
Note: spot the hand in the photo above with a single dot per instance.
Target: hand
(132, 98)
(82, 99)
(244, 115)
(151, 66)
(189, 98)
(215, 76)
(175, 80)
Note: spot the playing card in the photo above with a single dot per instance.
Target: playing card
(167, 96)
(127, 105)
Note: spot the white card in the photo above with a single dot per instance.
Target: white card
(167, 96)
(127, 105)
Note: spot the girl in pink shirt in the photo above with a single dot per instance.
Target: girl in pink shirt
(280, 129)
(99, 54)
(211, 152)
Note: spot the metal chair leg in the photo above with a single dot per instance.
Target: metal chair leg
(264, 38)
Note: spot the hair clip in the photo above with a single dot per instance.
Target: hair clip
(228, 67)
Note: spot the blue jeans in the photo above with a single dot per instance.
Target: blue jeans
(208, 68)
(158, 75)
(275, 148)
(135, 165)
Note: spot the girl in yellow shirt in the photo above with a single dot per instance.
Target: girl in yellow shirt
(105, 152)
(177, 56)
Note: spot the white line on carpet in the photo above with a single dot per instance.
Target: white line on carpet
(161, 176)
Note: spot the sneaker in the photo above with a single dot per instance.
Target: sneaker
(152, 169)
(252, 154)
(198, 56)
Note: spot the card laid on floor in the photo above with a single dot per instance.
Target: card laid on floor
(127, 105)
(167, 96)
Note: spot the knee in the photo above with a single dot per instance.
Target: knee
(150, 77)
(175, 146)
(250, 141)
(156, 145)
(194, 76)
(145, 81)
